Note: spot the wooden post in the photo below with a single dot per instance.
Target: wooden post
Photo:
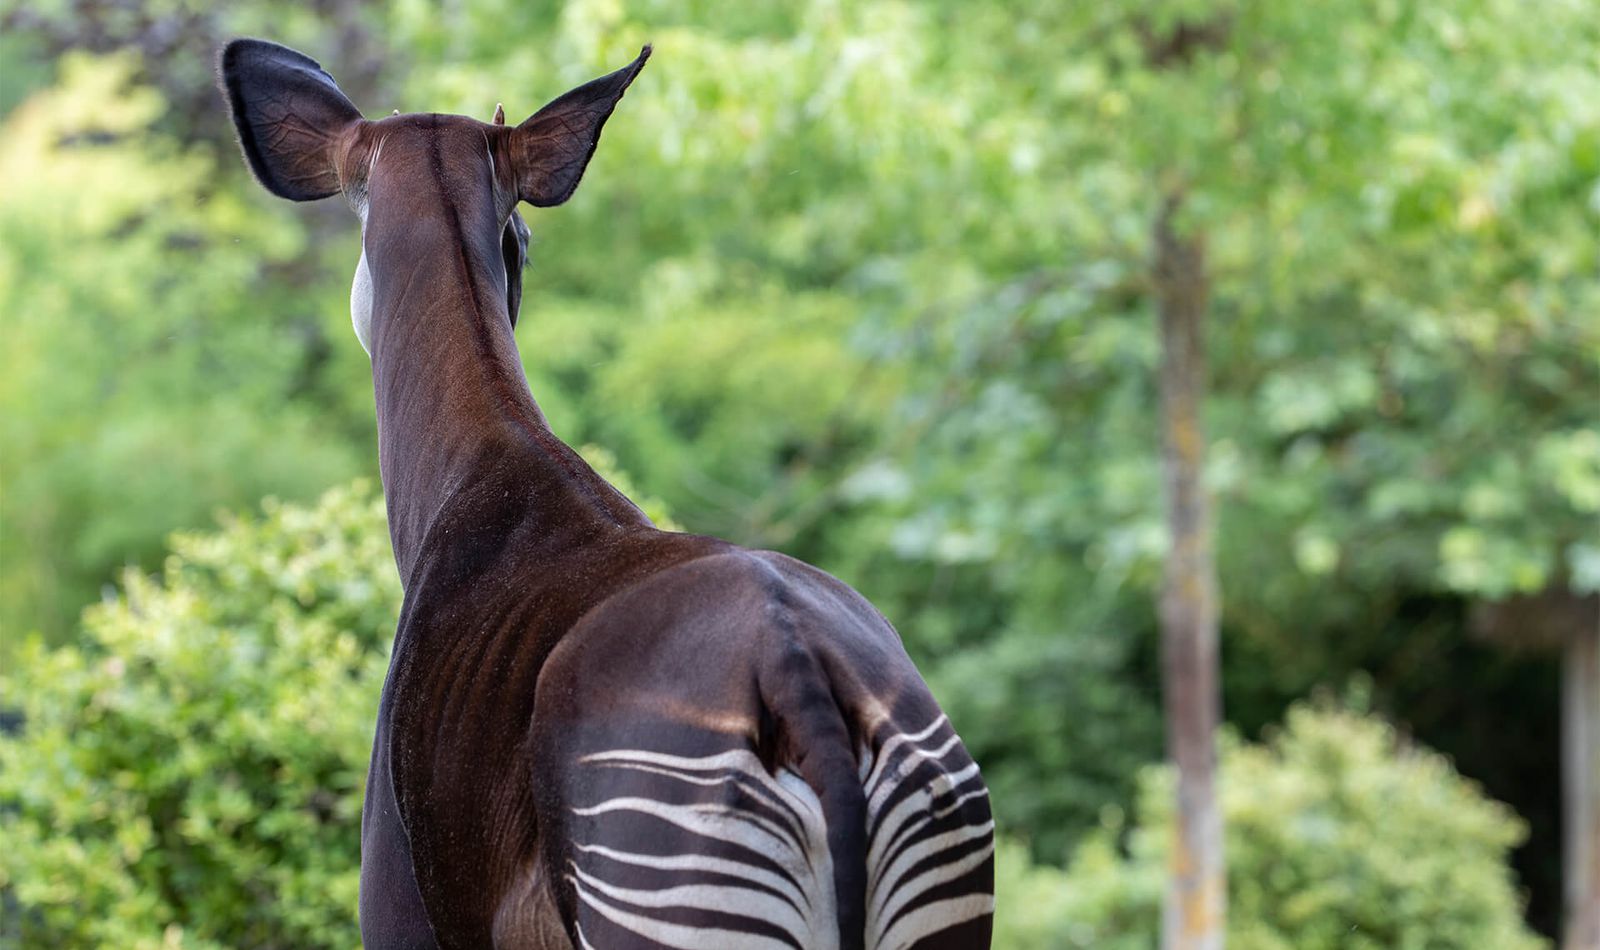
(1580, 779)
(1193, 917)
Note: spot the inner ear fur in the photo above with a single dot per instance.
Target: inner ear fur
(554, 145)
(290, 115)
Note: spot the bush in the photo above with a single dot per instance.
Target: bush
(193, 775)
(1339, 835)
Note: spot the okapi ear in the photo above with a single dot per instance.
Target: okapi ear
(554, 145)
(290, 116)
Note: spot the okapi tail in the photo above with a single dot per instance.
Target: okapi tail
(811, 739)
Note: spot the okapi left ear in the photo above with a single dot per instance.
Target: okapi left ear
(292, 120)
(554, 145)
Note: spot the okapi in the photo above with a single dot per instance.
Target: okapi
(594, 733)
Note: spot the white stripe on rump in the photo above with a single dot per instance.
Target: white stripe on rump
(760, 865)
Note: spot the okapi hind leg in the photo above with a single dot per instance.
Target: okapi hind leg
(930, 854)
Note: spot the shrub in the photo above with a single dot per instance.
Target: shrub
(1339, 835)
(193, 774)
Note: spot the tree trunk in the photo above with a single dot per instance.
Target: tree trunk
(1580, 778)
(1194, 913)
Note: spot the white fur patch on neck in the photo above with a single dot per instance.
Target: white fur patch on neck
(361, 304)
(361, 287)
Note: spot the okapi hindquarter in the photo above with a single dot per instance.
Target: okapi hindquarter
(594, 733)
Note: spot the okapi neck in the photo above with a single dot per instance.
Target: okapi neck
(457, 424)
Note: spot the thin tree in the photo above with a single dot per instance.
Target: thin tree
(1194, 913)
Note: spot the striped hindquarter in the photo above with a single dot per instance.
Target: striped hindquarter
(930, 840)
(716, 852)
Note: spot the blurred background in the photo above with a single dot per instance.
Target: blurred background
(870, 283)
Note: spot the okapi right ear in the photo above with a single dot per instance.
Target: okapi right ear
(290, 116)
(554, 145)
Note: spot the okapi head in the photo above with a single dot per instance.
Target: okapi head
(305, 140)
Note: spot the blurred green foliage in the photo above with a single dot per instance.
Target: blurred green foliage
(1341, 835)
(867, 282)
(153, 367)
(191, 776)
